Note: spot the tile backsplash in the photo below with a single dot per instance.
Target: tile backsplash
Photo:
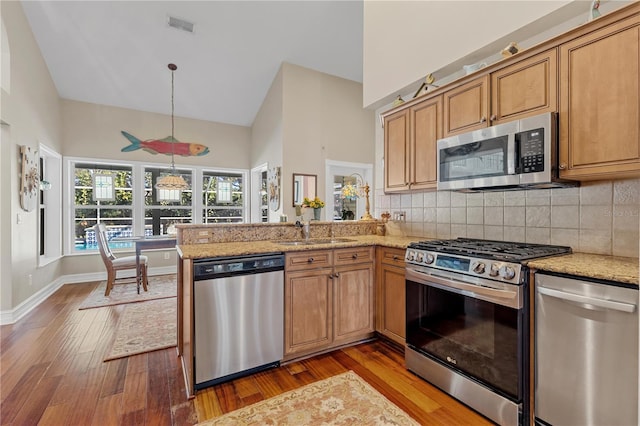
(597, 217)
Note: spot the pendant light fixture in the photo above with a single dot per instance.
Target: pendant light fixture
(172, 181)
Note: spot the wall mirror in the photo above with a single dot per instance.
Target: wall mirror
(303, 186)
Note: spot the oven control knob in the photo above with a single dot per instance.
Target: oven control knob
(507, 272)
(479, 267)
(420, 257)
(495, 269)
(429, 258)
(411, 255)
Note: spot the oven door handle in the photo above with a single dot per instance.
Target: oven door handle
(501, 297)
(587, 301)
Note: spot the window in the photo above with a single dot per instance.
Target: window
(93, 203)
(122, 195)
(164, 208)
(222, 197)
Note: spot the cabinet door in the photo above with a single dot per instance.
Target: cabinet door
(599, 103)
(308, 310)
(392, 305)
(526, 88)
(466, 107)
(426, 129)
(353, 302)
(396, 151)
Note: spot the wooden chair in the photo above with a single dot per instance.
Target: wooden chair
(115, 264)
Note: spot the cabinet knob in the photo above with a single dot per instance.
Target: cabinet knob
(336, 275)
(483, 119)
(330, 276)
(355, 255)
(562, 166)
(493, 117)
(310, 260)
(395, 257)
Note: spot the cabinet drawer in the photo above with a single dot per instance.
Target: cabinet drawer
(391, 256)
(349, 256)
(308, 259)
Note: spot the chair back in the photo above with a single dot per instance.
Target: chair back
(103, 244)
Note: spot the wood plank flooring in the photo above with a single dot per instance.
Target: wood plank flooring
(52, 373)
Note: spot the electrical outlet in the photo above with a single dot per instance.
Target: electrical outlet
(399, 216)
(167, 256)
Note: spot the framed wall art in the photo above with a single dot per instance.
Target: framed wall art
(273, 188)
(29, 178)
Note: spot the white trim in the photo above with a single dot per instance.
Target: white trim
(333, 167)
(137, 170)
(256, 197)
(13, 315)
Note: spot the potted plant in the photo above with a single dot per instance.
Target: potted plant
(316, 204)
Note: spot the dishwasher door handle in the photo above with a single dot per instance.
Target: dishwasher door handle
(586, 300)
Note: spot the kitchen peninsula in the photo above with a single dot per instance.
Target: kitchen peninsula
(352, 246)
(336, 264)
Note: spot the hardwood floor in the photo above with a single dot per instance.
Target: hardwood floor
(52, 373)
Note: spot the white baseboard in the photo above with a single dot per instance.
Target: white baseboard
(13, 315)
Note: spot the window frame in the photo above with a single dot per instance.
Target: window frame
(138, 203)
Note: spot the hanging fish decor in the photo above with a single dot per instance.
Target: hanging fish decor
(168, 146)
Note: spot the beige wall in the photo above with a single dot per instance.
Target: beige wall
(324, 120)
(91, 130)
(266, 134)
(306, 118)
(31, 108)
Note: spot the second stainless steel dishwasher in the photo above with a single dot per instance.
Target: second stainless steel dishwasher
(586, 352)
(238, 316)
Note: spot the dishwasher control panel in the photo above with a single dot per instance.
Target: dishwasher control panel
(226, 266)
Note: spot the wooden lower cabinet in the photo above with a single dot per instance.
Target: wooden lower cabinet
(308, 310)
(328, 302)
(390, 289)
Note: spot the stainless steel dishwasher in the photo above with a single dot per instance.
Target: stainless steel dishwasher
(586, 352)
(238, 316)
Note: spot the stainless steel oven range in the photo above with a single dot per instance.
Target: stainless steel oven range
(468, 321)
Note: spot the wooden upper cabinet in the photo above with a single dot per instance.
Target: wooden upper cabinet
(396, 151)
(466, 107)
(426, 129)
(599, 103)
(526, 88)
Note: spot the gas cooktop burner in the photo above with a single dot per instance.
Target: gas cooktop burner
(498, 250)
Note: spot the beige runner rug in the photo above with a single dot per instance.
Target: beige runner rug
(345, 399)
(145, 327)
(160, 287)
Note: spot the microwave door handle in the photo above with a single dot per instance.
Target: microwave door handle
(512, 155)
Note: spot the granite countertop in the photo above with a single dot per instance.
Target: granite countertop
(198, 251)
(612, 268)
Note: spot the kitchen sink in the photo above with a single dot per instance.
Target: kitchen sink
(313, 241)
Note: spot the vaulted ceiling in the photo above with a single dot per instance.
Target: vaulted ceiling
(116, 52)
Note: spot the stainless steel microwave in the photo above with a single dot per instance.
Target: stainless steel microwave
(521, 154)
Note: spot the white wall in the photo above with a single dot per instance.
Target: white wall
(406, 40)
(32, 110)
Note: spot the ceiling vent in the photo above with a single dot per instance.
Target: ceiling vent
(180, 24)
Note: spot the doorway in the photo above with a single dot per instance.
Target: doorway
(338, 175)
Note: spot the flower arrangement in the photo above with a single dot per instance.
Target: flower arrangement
(350, 192)
(316, 203)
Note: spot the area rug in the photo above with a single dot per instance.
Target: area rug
(160, 287)
(345, 399)
(145, 327)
